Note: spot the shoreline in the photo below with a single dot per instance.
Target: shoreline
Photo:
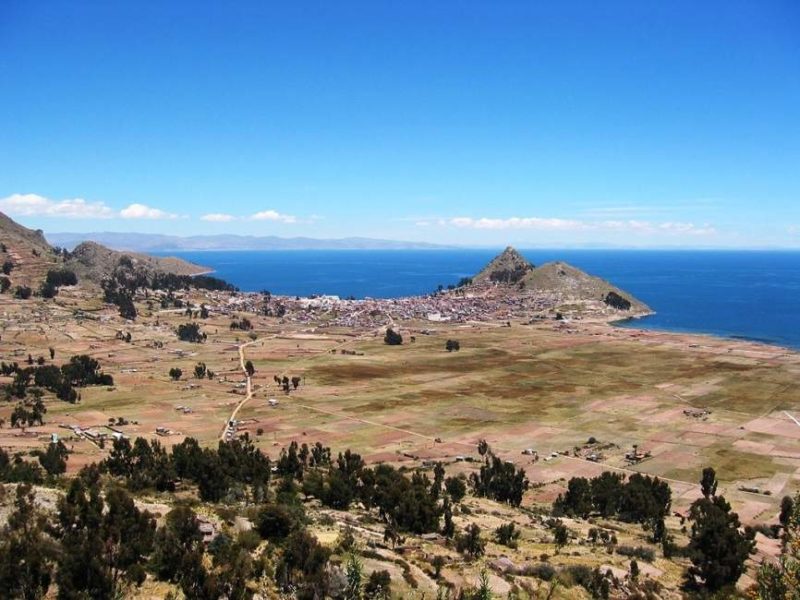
(631, 324)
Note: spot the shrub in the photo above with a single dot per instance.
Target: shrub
(392, 338)
(642, 552)
(544, 571)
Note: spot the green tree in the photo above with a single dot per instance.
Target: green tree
(507, 535)
(708, 483)
(470, 543)
(782, 581)
(456, 488)
(249, 368)
(276, 522)
(127, 535)
(27, 553)
(175, 543)
(175, 373)
(392, 338)
(718, 548)
(54, 459)
(560, 536)
(577, 501)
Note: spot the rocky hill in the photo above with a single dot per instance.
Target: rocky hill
(562, 283)
(92, 262)
(27, 256)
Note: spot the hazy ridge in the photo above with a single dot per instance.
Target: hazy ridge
(148, 242)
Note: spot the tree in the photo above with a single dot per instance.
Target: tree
(577, 502)
(718, 548)
(483, 447)
(81, 570)
(250, 369)
(499, 480)
(379, 586)
(127, 535)
(303, 565)
(200, 370)
(456, 488)
(634, 570)
(127, 309)
(787, 510)
(175, 543)
(606, 493)
(54, 459)
(778, 581)
(175, 373)
(560, 536)
(276, 522)
(507, 535)
(449, 528)
(452, 346)
(470, 543)
(23, 292)
(708, 483)
(190, 332)
(392, 338)
(27, 553)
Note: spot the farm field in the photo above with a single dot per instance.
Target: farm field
(546, 387)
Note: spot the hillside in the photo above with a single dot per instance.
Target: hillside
(29, 256)
(27, 252)
(92, 261)
(571, 283)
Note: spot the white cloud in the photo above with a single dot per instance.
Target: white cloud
(218, 218)
(273, 215)
(518, 223)
(142, 211)
(551, 224)
(33, 205)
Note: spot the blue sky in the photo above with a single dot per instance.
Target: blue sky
(481, 123)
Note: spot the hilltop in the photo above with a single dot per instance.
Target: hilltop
(507, 267)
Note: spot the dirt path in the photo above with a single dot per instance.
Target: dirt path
(247, 396)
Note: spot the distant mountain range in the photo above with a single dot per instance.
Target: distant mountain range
(150, 242)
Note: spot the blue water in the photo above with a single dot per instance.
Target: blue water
(752, 295)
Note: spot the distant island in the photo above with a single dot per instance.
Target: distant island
(149, 242)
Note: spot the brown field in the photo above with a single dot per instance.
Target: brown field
(517, 387)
